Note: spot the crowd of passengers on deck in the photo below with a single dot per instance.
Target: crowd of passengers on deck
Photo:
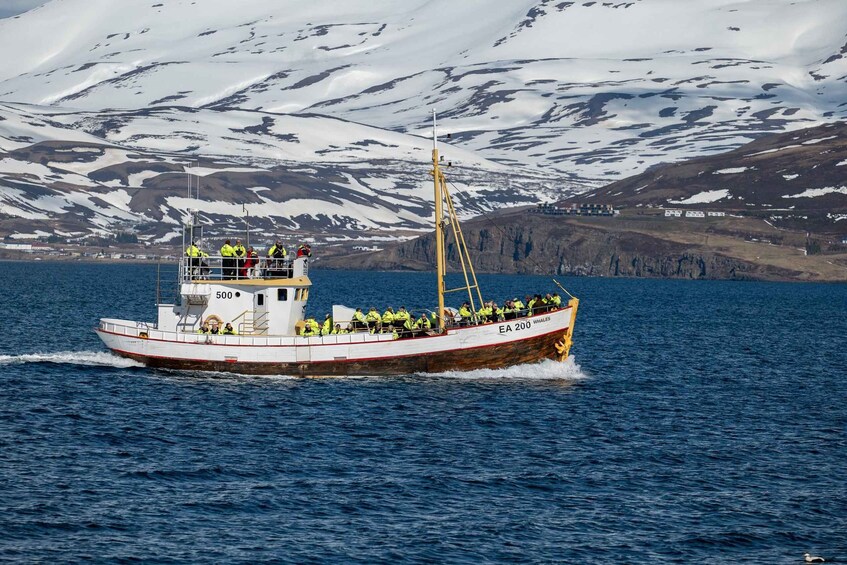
(403, 324)
(238, 262)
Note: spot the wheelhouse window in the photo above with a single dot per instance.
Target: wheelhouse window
(282, 294)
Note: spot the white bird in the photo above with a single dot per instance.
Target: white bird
(813, 558)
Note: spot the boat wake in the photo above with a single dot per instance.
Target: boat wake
(545, 370)
(89, 358)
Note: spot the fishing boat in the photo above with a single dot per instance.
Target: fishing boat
(266, 307)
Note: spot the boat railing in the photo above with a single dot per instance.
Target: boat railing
(218, 268)
(144, 331)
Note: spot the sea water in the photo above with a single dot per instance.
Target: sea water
(697, 422)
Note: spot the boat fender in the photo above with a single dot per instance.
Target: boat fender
(214, 318)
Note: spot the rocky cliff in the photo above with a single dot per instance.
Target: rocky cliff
(528, 243)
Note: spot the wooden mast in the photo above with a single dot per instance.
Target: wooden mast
(439, 228)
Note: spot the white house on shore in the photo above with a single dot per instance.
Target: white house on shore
(673, 213)
(695, 214)
(23, 247)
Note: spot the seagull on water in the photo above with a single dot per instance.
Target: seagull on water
(813, 558)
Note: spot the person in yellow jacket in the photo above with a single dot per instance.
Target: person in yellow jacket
(276, 254)
(311, 327)
(465, 314)
(227, 260)
(326, 328)
(373, 319)
(497, 312)
(196, 262)
(359, 321)
(556, 300)
(485, 313)
(339, 330)
(401, 316)
(229, 330)
(423, 323)
(409, 327)
(388, 317)
(240, 255)
(204, 329)
(193, 252)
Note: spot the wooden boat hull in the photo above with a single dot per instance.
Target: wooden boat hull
(490, 357)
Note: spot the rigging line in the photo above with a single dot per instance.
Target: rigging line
(504, 234)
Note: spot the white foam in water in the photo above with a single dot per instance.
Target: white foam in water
(545, 370)
(95, 358)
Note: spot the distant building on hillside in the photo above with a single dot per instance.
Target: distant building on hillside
(695, 214)
(716, 213)
(23, 247)
(673, 213)
(576, 210)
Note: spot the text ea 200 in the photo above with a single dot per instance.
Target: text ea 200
(522, 325)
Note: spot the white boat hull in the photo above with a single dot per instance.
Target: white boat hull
(493, 345)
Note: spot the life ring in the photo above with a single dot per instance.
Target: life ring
(214, 318)
(142, 335)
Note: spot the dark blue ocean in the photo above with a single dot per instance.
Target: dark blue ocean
(700, 422)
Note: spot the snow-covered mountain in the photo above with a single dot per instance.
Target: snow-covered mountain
(571, 94)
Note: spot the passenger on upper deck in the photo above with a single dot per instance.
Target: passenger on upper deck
(304, 250)
(275, 256)
(240, 254)
(227, 261)
(229, 330)
(248, 263)
(197, 266)
(204, 329)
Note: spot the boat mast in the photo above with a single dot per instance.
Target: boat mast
(439, 227)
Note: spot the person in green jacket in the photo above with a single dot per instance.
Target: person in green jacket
(204, 329)
(229, 330)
